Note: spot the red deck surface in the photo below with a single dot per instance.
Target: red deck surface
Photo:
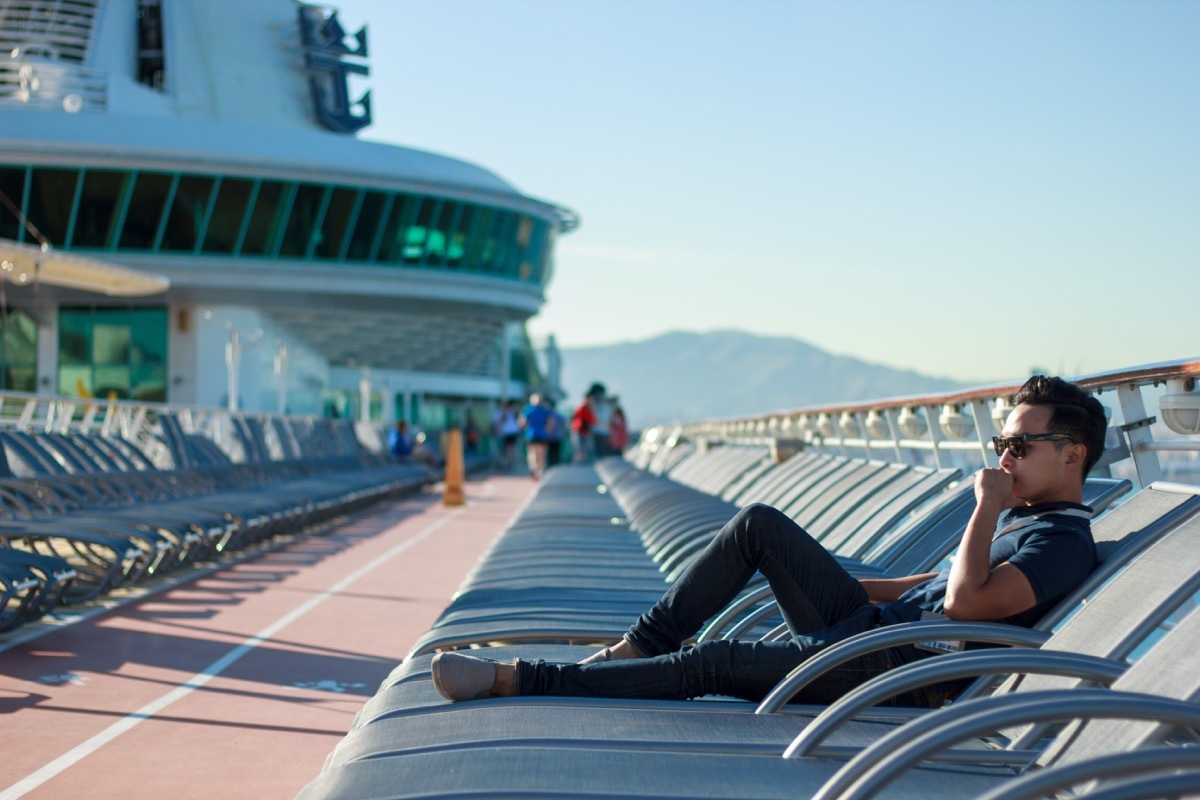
(239, 683)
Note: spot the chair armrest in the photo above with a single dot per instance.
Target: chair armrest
(876, 766)
(1135, 764)
(732, 611)
(949, 667)
(894, 636)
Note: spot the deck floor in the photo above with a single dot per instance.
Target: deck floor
(238, 683)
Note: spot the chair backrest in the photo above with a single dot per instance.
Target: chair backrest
(868, 524)
(930, 553)
(32, 454)
(1168, 669)
(1159, 568)
(176, 440)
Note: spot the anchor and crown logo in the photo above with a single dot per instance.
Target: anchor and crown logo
(330, 63)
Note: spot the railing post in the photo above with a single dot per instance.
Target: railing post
(1137, 431)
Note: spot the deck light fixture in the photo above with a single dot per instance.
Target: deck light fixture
(1180, 407)
(877, 425)
(825, 426)
(848, 422)
(911, 423)
(955, 424)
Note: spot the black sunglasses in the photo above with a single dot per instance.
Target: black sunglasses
(1018, 444)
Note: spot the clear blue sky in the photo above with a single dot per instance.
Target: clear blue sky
(969, 189)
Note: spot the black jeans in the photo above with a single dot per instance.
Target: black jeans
(821, 603)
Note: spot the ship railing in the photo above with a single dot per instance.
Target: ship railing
(1154, 431)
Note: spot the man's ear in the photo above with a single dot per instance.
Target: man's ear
(1076, 455)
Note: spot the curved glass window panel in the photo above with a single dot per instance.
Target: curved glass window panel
(147, 203)
(416, 235)
(264, 219)
(100, 200)
(533, 252)
(229, 211)
(335, 226)
(302, 222)
(51, 195)
(366, 226)
(502, 237)
(439, 233)
(393, 243)
(12, 184)
(456, 250)
(192, 199)
(546, 268)
(477, 243)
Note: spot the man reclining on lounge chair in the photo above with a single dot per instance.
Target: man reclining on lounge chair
(1027, 546)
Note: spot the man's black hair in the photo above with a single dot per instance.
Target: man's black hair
(1073, 412)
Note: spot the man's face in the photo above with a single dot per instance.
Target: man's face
(1042, 474)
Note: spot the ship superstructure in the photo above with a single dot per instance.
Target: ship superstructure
(212, 144)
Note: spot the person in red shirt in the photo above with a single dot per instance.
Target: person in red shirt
(582, 423)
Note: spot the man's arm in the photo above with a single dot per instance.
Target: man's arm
(975, 590)
(885, 590)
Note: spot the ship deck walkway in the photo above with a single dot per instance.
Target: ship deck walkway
(236, 682)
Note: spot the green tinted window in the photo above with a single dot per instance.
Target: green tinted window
(229, 211)
(335, 226)
(456, 250)
(477, 244)
(417, 237)
(366, 226)
(113, 352)
(302, 223)
(100, 199)
(439, 233)
(146, 206)
(148, 354)
(498, 242)
(264, 219)
(18, 352)
(398, 222)
(74, 337)
(12, 185)
(188, 210)
(50, 198)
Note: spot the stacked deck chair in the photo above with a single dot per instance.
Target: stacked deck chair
(85, 514)
(410, 743)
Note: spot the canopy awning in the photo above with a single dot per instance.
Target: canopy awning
(27, 265)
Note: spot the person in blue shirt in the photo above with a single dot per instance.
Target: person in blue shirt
(534, 419)
(556, 431)
(1027, 545)
(400, 442)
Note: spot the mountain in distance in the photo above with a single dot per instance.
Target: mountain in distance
(688, 377)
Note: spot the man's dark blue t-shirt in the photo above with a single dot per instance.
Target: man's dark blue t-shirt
(1050, 543)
